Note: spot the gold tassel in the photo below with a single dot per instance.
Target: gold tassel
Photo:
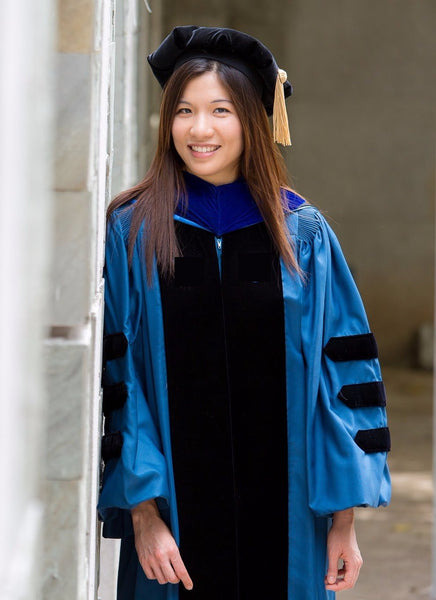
(280, 118)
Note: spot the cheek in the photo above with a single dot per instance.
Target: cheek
(177, 131)
(239, 140)
(236, 133)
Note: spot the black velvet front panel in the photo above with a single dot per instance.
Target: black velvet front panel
(226, 380)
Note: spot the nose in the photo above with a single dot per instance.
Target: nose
(201, 126)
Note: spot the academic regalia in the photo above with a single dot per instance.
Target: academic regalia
(245, 398)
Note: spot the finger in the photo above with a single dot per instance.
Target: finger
(169, 573)
(149, 573)
(339, 586)
(181, 571)
(159, 574)
(346, 578)
(159, 562)
(351, 571)
(332, 572)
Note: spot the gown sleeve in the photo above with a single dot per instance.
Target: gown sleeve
(347, 436)
(135, 468)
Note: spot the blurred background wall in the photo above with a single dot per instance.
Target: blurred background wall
(78, 119)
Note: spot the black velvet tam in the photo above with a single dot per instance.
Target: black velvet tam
(231, 47)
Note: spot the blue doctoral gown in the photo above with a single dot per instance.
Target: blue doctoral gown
(337, 436)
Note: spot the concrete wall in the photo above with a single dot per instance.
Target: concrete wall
(362, 123)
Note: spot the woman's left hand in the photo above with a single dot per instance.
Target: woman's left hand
(342, 544)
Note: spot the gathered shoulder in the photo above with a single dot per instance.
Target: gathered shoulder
(120, 220)
(305, 222)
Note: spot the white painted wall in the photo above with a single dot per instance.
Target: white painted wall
(26, 33)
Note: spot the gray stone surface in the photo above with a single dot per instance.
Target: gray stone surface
(93, 429)
(62, 552)
(67, 386)
(73, 117)
(109, 555)
(125, 128)
(73, 259)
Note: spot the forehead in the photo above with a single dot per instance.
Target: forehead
(206, 86)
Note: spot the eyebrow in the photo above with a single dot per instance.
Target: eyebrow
(182, 101)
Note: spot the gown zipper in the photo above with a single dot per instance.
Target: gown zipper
(219, 250)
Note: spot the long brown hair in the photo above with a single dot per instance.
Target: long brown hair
(262, 167)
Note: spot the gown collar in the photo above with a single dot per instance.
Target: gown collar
(222, 208)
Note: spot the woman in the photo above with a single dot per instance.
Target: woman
(243, 399)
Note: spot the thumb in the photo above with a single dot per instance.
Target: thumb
(332, 572)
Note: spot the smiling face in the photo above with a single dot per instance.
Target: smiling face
(206, 130)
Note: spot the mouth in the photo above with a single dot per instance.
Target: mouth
(203, 149)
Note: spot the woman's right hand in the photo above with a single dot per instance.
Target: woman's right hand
(156, 548)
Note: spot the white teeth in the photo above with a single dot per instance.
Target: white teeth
(204, 148)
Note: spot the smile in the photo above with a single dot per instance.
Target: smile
(204, 149)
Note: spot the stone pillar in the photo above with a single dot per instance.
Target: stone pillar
(82, 169)
(135, 29)
(26, 35)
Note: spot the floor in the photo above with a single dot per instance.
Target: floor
(396, 542)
